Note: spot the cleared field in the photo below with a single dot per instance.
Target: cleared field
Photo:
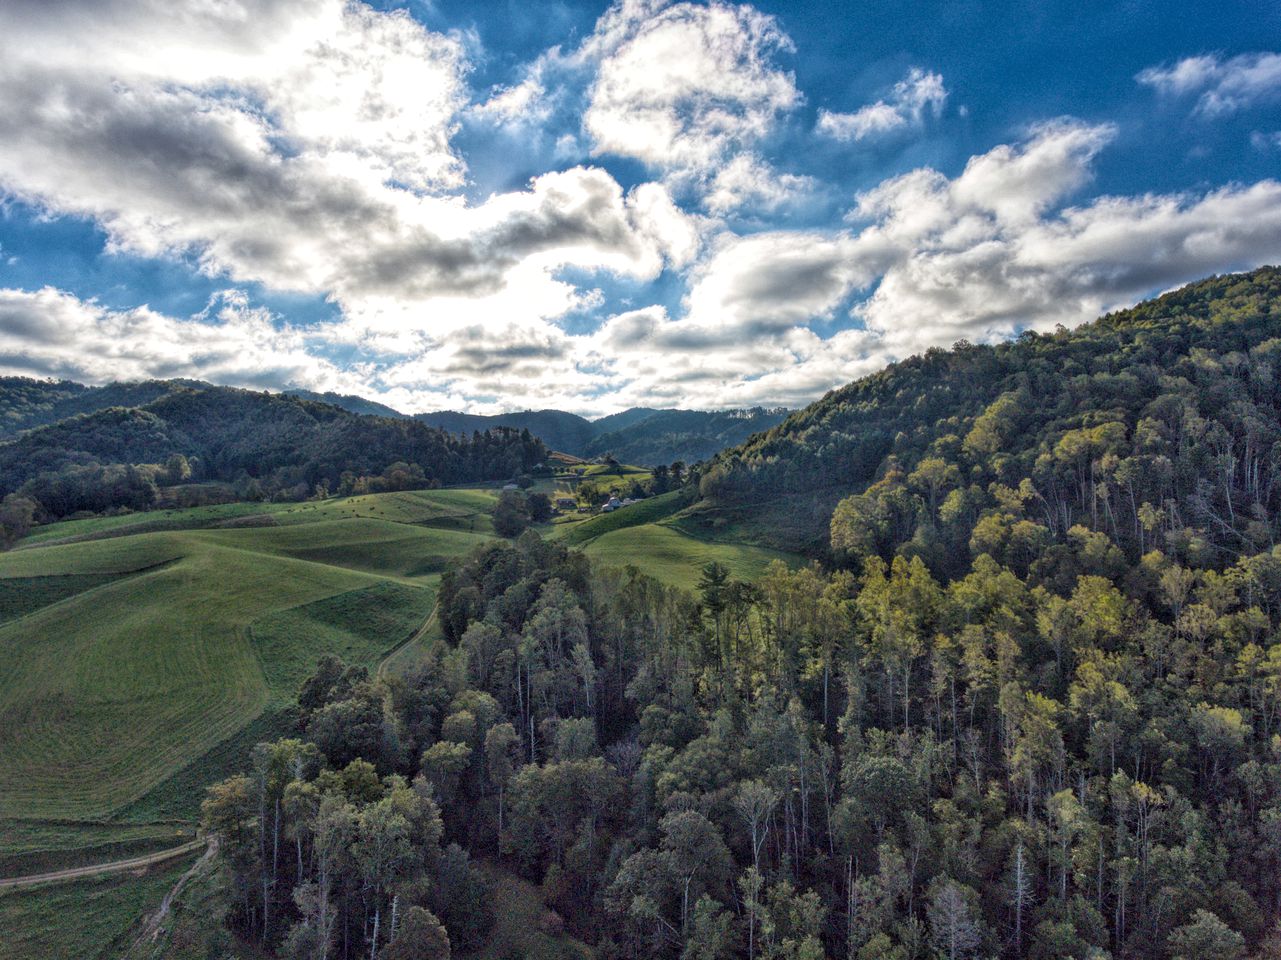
(677, 558)
(622, 471)
(577, 532)
(381, 548)
(360, 626)
(456, 508)
(104, 693)
(129, 665)
(650, 536)
(88, 919)
(31, 847)
(153, 521)
(462, 509)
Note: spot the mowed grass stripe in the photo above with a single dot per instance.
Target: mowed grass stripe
(461, 509)
(101, 700)
(360, 626)
(379, 547)
(110, 695)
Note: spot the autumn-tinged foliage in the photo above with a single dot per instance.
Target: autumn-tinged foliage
(1030, 709)
(1174, 405)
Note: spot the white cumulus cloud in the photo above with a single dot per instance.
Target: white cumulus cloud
(917, 95)
(1221, 86)
(679, 87)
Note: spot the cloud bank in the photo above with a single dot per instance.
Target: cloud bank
(314, 148)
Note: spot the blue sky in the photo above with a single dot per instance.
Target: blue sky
(592, 205)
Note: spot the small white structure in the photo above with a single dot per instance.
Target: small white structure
(511, 486)
(610, 505)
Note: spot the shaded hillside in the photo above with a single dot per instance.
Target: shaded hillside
(665, 436)
(623, 419)
(1176, 399)
(562, 431)
(348, 402)
(27, 403)
(278, 442)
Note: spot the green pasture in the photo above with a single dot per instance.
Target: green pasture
(87, 919)
(129, 664)
(653, 536)
(677, 558)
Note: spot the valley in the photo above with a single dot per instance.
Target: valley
(1054, 622)
(145, 654)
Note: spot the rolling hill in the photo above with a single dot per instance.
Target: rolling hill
(1177, 398)
(132, 666)
(234, 435)
(27, 403)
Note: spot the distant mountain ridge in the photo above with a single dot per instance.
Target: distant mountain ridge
(562, 431)
(640, 435)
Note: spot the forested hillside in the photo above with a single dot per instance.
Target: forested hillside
(26, 403)
(1033, 709)
(348, 402)
(1173, 404)
(562, 431)
(639, 435)
(263, 444)
(664, 436)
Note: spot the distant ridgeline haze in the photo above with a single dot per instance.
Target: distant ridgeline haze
(639, 435)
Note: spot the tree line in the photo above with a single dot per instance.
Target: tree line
(260, 445)
(820, 764)
(1030, 707)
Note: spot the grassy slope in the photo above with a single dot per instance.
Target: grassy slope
(154, 649)
(131, 523)
(676, 558)
(103, 694)
(88, 919)
(40, 846)
(654, 536)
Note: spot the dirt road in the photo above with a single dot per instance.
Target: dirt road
(98, 869)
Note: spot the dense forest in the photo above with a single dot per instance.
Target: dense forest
(1031, 707)
(688, 435)
(1173, 400)
(27, 403)
(263, 445)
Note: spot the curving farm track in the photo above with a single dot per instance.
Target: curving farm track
(98, 869)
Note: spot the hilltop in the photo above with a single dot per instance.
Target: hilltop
(1175, 399)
